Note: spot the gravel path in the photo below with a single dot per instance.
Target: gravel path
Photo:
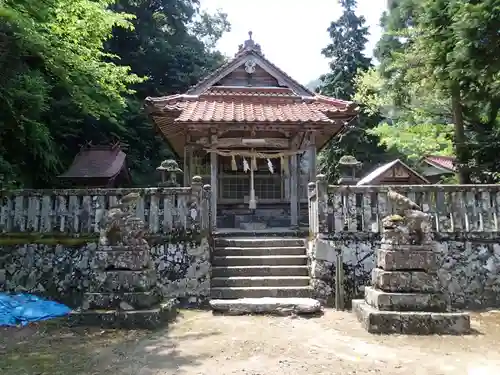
(200, 343)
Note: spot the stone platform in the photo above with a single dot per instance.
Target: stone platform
(405, 296)
(431, 302)
(269, 305)
(152, 318)
(410, 322)
(123, 291)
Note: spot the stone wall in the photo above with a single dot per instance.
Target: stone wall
(64, 272)
(469, 266)
(465, 222)
(49, 239)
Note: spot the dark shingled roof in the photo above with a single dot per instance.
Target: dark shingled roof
(96, 162)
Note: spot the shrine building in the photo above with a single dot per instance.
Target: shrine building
(252, 132)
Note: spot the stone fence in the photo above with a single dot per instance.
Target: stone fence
(80, 211)
(466, 225)
(48, 239)
(454, 208)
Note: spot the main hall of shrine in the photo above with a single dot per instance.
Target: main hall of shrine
(252, 132)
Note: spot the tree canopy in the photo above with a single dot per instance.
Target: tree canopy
(76, 71)
(437, 85)
(347, 59)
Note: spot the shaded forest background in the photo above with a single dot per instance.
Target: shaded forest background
(74, 71)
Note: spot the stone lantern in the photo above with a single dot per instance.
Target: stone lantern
(347, 167)
(169, 170)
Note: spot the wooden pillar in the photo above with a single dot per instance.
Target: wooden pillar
(294, 196)
(185, 169)
(191, 168)
(286, 179)
(214, 187)
(312, 159)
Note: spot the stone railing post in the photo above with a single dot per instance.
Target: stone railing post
(206, 208)
(313, 208)
(322, 198)
(196, 201)
(405, 296)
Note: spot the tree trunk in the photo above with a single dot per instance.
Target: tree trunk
(461, 149)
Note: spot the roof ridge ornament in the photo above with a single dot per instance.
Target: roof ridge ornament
(250, 66)
(249, 45)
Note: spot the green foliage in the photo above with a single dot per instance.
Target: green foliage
(413, 130)
(75, 71)
(438, 66)
(52, 59)
(348, 38)
(416, 140)
(171, 43)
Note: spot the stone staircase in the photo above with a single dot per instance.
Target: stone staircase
(261, 274)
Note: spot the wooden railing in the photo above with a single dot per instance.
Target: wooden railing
(454, 208)
(81, 210)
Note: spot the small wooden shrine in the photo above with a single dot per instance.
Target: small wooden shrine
(394, 173)
(436, 167)
(252, 133)
(98, 166)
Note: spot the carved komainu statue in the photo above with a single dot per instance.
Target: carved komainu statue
(120, 226)
(411, 222)
(401, 202)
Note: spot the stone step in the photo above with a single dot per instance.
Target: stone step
(251, 281)
(271, 260)
(393, 260)
(259, 292)
(266, 305)
(433, 302)
(255, 251)
(405, 281)
(138, 301)
(230, 271)
(301, 233)
(259, 242)
(157, 317)
(410, 322)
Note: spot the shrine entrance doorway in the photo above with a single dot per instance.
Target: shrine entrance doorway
(239, 176)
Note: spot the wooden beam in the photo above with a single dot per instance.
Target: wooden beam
(214, 181)
(312, 157)
(296, 141)
(238, 142)
(294, 194)
(231, 128)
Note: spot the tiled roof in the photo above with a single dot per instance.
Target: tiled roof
(252, 104)
(446, 162)
(203, 111)
(96, 162)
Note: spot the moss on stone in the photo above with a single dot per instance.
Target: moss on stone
(17, 238)
(176, 237)
(46, 241)
(73, 239)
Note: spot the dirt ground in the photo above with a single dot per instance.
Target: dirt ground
(199, 343)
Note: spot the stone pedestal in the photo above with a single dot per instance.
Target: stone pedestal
(123, 293)
(405, 293)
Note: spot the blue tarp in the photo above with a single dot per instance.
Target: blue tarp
(21, 309)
